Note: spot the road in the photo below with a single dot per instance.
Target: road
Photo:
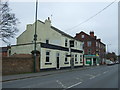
(94, 77)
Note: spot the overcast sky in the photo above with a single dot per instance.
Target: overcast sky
(66, 15)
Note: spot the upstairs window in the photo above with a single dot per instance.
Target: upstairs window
(76, 44)
(66, 42)
(89, 51)
(96, 44)
(82, 36)
(89, 43)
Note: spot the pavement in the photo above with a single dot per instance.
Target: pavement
(38, 74)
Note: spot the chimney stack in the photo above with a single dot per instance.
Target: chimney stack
(92, 33)
(99, 40)
(48, 22)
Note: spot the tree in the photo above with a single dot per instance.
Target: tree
(112, 56)
(8, 22)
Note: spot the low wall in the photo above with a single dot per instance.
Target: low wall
(17, 64)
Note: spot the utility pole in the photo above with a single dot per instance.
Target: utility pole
(71, 42)
(35, 36)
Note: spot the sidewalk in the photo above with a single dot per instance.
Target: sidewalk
(38, 74)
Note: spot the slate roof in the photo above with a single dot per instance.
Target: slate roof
(61, 32)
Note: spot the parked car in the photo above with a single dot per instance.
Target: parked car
(117, 62)
(110, 63)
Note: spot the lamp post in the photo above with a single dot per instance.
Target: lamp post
(35, 36)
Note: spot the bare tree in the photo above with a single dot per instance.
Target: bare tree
(8, 22)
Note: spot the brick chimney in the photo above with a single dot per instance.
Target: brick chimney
(92, 33)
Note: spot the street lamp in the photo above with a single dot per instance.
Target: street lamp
(35, 36)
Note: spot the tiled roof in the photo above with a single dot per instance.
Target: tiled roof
(61, 32)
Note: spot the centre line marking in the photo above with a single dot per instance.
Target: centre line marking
(74, 85)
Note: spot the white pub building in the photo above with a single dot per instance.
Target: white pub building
(53, 45)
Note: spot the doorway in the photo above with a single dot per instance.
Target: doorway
(94, 61)
(57, 60)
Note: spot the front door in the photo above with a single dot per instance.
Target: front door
(57, 60)
(94, 61)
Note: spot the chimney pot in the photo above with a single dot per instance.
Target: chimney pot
(48, 18)
(92, 33)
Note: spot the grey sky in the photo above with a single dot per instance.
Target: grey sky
(68, 14)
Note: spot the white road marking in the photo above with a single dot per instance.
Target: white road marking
(79, 79)
(60, 83)
(98, 75)
(92, 77)
(89, 75)
(105, 72)
(74, 85)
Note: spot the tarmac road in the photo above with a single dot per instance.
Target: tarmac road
(94, 77)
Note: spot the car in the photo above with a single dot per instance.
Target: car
(117, 62)
(110, 63)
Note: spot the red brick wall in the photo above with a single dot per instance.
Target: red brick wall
(93, 48)
(19, 64)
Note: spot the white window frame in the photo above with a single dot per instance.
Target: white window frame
(82, 36)
(47, 56)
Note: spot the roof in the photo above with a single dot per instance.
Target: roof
(61, 32)
(91, 37)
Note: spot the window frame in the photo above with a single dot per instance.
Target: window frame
(47, 57)
(89, 43)
(66, 42)
(82, 36)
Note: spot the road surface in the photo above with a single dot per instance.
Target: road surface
(94, 77)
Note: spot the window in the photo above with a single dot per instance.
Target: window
(47, 56)
(99, 45)
(82, 36)
(47, 41)
(66, 57)
(76, 57)
(76, 44)
(89, 51)
(81, 58)
(96, 44)
(89, 43)
(66, 41)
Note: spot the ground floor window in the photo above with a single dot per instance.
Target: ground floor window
(66, 57)
(76, 58)
(47, 56)
(81, 59)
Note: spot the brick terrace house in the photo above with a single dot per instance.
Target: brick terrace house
(93, 47)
